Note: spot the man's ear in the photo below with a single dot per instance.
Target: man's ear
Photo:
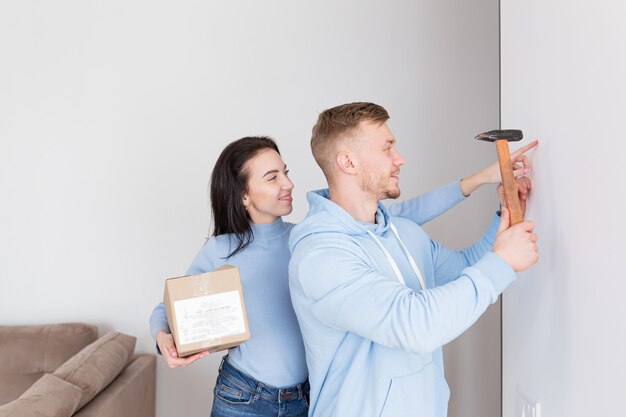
(346, 163)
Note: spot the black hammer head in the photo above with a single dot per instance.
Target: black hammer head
(511, 135)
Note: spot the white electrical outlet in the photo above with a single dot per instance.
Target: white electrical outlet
(525, 407)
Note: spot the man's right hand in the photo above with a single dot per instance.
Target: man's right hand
(517, 245)
(165, 341)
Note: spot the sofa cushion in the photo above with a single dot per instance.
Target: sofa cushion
(131, 394)
(50, 396)
(94, 367)
(12, 385)
(42, 349)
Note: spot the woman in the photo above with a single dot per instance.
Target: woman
(250, 192)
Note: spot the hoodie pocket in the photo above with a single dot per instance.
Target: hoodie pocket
(421, 393)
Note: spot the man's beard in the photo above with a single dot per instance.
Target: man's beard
(382, 192)
(393, 194)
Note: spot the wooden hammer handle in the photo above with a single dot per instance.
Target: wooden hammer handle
(511, 196)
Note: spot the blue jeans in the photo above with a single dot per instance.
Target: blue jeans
(239, 395)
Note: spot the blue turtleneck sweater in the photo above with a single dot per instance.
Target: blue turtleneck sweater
(274, 354)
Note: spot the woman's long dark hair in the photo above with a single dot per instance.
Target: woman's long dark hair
(228, 184)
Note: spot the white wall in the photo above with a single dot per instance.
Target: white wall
(563, 81)
(113, 114)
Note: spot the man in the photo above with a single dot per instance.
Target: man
(375, 298)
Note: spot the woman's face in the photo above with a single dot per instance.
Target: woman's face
(268, 194)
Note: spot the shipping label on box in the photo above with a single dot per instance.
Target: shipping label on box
(209, 316)
(206, 311)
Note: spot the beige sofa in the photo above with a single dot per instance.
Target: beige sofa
(62, 370)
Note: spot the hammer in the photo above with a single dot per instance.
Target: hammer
(502, 139)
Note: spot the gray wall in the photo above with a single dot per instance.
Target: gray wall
(113, 114)
(563, 81)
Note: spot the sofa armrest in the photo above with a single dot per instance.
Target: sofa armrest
(131, 394)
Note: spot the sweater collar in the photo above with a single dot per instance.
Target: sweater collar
(269, 230)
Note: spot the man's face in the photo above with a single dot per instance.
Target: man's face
(378, 160)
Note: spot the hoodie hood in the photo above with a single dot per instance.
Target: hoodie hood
(326, 216)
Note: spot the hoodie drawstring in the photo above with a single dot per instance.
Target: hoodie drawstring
(393, 264)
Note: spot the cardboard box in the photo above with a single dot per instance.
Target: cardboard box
(206, 311)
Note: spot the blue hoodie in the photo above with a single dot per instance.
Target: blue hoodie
(275, 352)
(373, 344)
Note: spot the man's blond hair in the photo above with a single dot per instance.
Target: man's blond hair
(338, 126)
